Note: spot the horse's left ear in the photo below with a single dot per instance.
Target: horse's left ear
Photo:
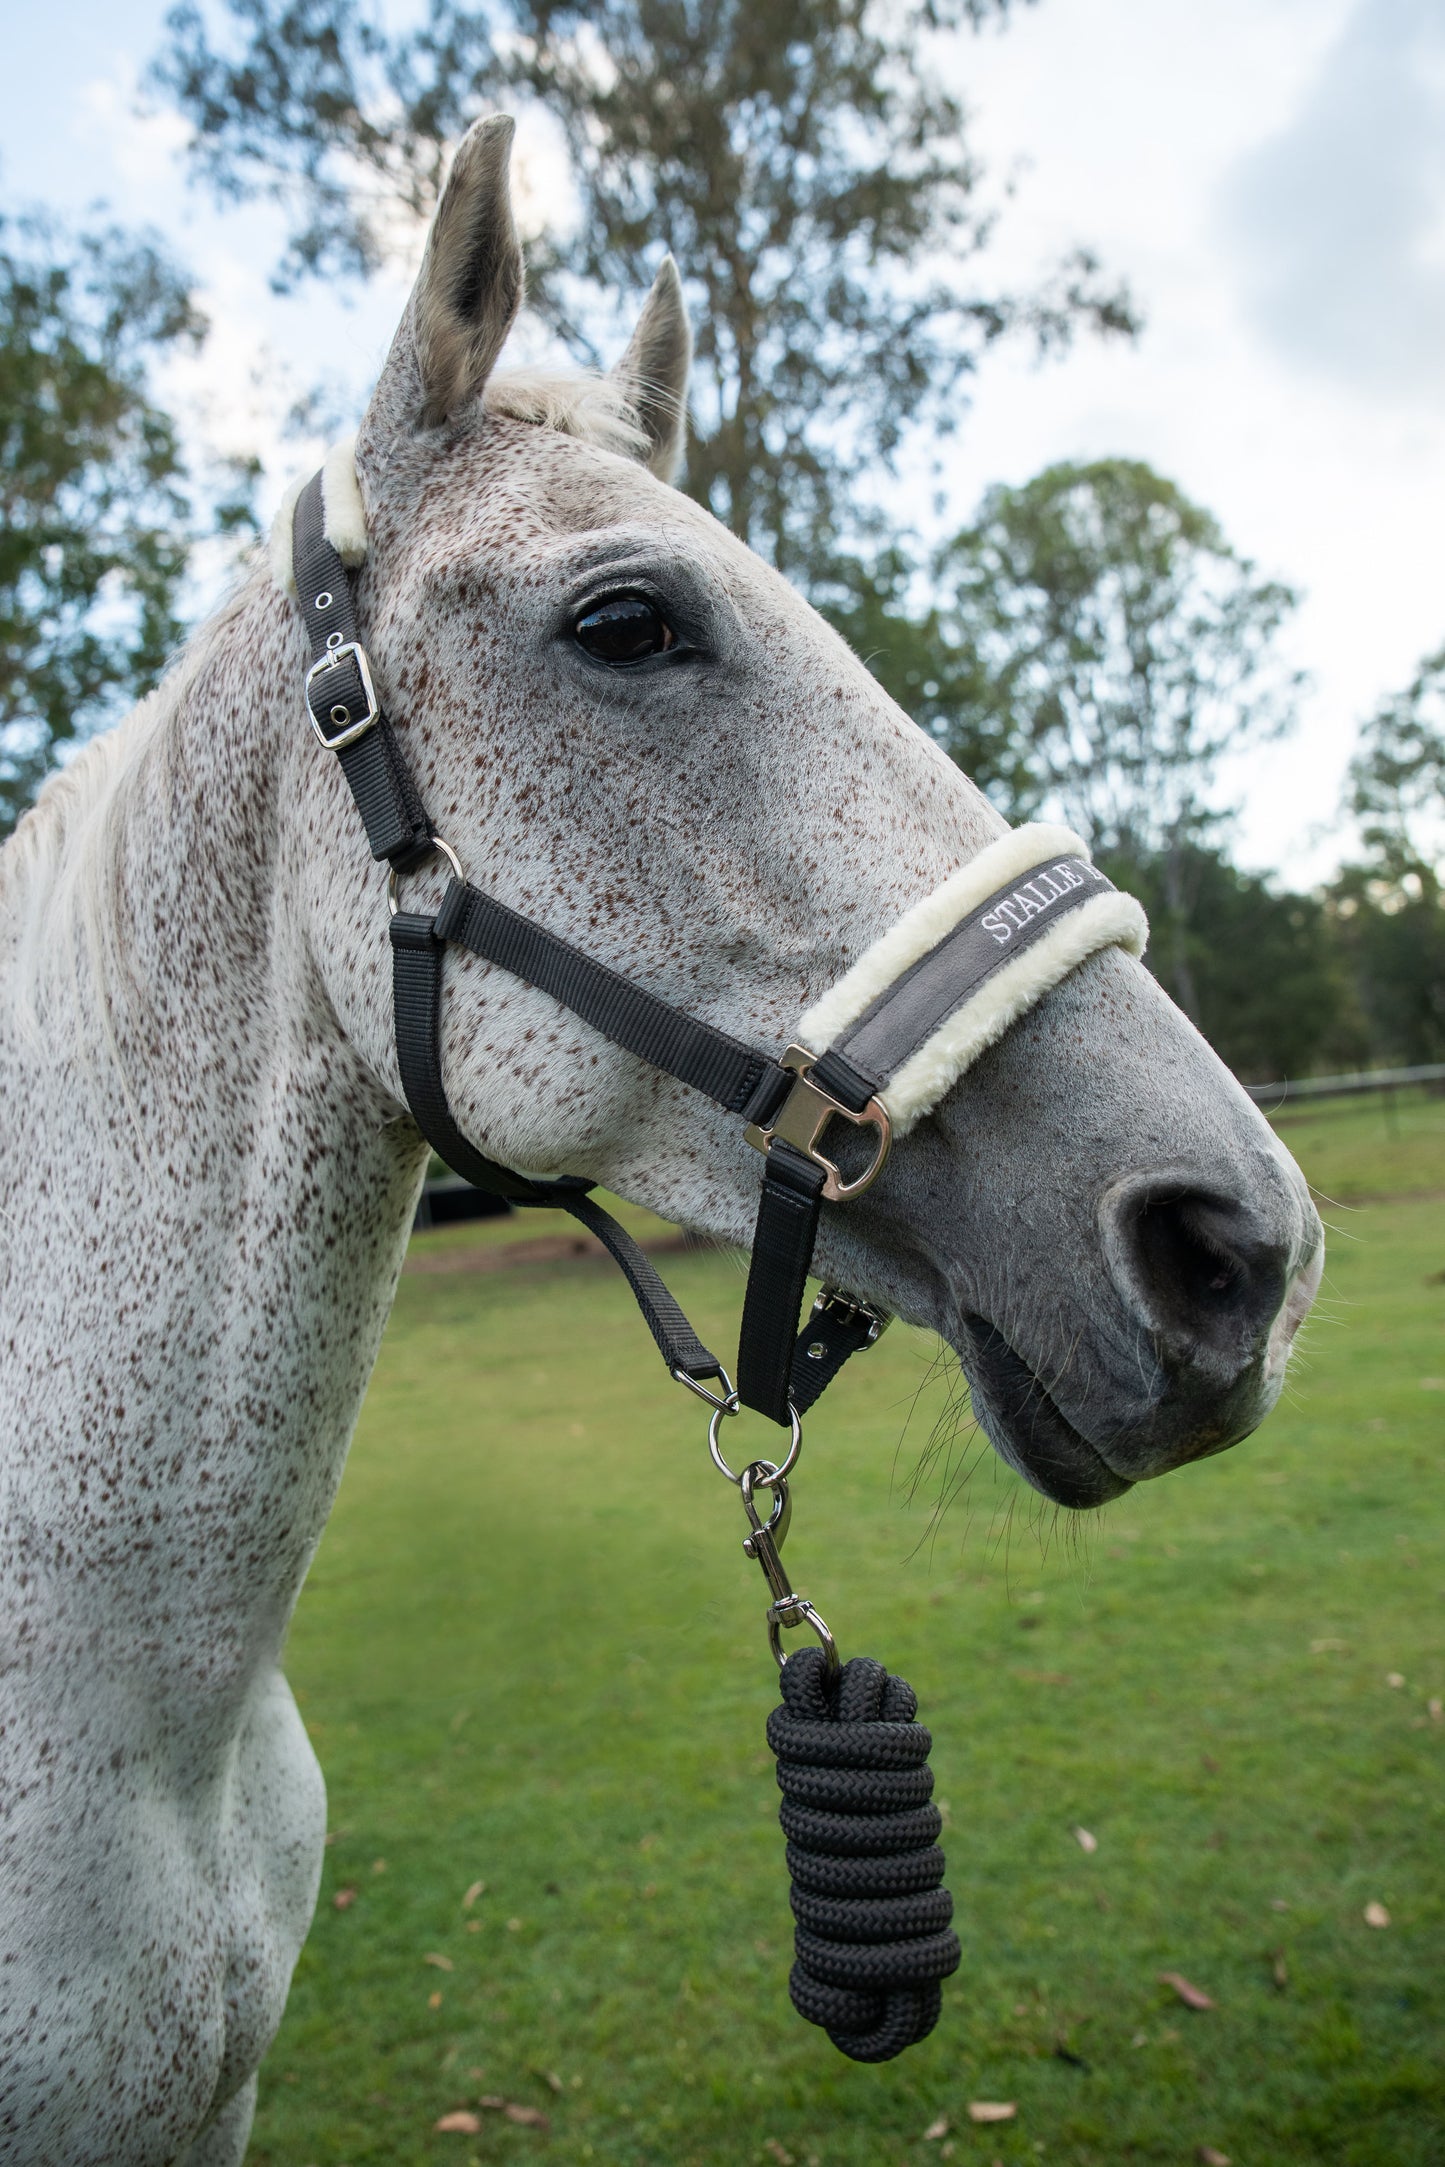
(654, 371)
(465, 299)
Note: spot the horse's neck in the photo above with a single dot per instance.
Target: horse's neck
(204, 1209)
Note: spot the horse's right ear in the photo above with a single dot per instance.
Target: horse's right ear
(465, 299)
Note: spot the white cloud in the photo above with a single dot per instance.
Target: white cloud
(141, 149)
(1338, 220)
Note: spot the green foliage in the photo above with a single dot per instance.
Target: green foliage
(1397, 784)
(1271, 989)
(1389, 910)
(531, 1653)
(94, 531)
(913, 654)
(1125, 640)
(1393, 944)
(802, 159)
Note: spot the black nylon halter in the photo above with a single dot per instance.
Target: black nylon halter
(785, 1103)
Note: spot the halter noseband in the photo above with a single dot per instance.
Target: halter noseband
(897, 1030)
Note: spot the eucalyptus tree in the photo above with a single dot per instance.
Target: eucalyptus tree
(1133, 649)
(1397, 782)
(1389, 906)
(95, 507)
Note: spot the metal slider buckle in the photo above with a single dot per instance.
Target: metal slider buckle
(347, 731)
(847, 1308)
(802, 1118)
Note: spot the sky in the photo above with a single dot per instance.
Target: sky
(1268, 175)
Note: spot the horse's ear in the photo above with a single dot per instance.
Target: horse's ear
(465, 299)
(654, 371)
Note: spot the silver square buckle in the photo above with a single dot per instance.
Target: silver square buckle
(346, 733)
(802, 1118)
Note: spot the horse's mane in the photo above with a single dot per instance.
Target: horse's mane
(60, 872)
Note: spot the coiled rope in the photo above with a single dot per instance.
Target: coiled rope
(873, 1937)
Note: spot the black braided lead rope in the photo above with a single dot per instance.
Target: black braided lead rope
(873, 1936)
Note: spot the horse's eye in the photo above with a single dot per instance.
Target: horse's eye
(629, 628)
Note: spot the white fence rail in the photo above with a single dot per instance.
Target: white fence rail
(1275, 1095)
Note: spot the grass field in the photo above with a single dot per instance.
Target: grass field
(531, 1655)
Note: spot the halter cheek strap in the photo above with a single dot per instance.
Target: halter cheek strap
(897, 1030)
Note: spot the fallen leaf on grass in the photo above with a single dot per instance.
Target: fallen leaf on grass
(434, 2001)
(461, 2124)
(1193, 1997)
(1278, 1969)
(443, 1963)
(778, 2152)
(1376, 1915)
(344, 1899)
(1208, 2157)
(528, 2117)
(1437, 1710)
(478, 1888)
(551, 2079)
(1395, 1678)
(992, 2110)
(1085, 1841)
(936, 2130)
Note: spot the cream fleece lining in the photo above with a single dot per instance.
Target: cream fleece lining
(1105, 920)
(345, 519)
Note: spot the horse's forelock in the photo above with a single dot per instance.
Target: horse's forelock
(596, 409)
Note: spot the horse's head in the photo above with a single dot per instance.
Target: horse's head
(631, 729)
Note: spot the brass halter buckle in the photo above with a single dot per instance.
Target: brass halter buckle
(802, 1118)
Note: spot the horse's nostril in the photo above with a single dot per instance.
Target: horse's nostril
(1202, 1269)
(1182, 1247)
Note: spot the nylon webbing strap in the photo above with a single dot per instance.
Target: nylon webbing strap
(831, 1336)
(677, 1342)
(777, 1278)
(397, 827)
(417, 953)
(416, 969)
(722, 1068)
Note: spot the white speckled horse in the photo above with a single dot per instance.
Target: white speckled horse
(209, 1172)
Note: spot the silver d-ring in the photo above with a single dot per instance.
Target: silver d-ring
(392, 904)
(784, 1467)
(726, 1401)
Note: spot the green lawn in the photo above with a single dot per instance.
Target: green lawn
(531, 1654)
